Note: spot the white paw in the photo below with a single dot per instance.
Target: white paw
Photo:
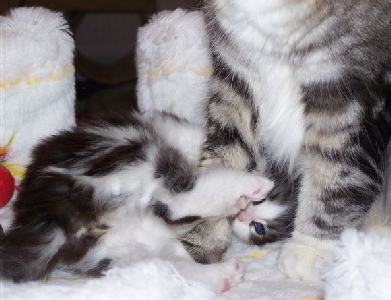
(242, 203)
(225, 275)
(250, 187)
(233, 275)
(303, 257)
(255, 187)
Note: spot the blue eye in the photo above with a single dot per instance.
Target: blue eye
(259, 228)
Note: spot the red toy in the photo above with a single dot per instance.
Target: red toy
(7, 173)
(7, 186)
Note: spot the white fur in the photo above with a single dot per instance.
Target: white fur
(283, 133)
(218, 193)
(135, 233)
(135, 185)
(187, 137)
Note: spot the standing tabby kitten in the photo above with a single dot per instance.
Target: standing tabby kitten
(304, 85)
(122, 190)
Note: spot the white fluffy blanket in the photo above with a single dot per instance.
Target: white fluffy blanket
(360, 271)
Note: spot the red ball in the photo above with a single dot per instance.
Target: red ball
(7, 186)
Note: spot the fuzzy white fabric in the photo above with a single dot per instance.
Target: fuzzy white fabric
(157, 280)
(37, 93)
(153, 279)
(173, 64)
(361, 268)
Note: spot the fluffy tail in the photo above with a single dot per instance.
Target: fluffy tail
(379, 217)
(26, 255)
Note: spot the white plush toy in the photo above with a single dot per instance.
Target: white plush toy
(173, 64)
(37, 85)
(172, 48)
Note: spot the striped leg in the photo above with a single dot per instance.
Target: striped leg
(342, 175)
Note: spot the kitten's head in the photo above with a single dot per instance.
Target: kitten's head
(269, 220)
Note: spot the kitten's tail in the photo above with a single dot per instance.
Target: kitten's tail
(25, 257)
(379, 217)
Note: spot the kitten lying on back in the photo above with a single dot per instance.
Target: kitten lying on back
(122, 190)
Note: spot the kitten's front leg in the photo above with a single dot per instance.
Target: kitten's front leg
(310, 246)
(339, 183)
(217, 193)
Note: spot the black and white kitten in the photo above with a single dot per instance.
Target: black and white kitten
(304, 86)
(122, 190)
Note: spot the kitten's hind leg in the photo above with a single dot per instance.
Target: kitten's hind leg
(208, 241)
(217, 193)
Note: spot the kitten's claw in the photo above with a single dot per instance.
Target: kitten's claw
(303, 257)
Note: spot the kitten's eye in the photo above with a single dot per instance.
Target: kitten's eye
(258, 227)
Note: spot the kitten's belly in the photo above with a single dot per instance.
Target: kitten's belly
(132, 236)
(281, 126)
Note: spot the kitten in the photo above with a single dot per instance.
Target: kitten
(272, 218)
(304, 85)
(122, 190)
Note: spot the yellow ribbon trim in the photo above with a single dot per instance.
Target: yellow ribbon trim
(32, 81)
(307, 297)
(4, 150)
(15, 169)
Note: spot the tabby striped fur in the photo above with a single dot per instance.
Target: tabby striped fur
(304, 85)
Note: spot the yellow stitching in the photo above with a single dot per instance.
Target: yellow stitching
(37, 80)
(12, 83)
(32, 80)
(308, 297)
(169, 71)
(255, 255)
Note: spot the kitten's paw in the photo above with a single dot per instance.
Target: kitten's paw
(255, 187)
(303, 257)
(242, 203)
(250, 187)
(220, 276)
(231, 273)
